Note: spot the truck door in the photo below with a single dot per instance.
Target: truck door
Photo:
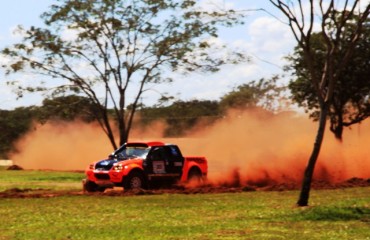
(156, 161)
(175, 160)
(164, 160)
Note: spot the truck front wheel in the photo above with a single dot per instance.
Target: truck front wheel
(89, 186)
(135, 180)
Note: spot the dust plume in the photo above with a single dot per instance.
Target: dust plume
(259, 147)
(69, 145)
(62, 146)
(243, 146)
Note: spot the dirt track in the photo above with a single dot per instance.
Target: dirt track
(205, 189)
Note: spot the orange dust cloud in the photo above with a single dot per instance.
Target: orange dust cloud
(62, 146)
(248, 146)
(259, 147)
(69, 146)
(154, 131)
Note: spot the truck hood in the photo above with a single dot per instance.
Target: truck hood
(107, 164)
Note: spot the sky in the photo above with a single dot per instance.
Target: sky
(265, 40)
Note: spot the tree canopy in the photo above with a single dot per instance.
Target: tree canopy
(182, 116)
(114, 51)
(264, 93)
(66, 108)
(13, 125)
(351, 96)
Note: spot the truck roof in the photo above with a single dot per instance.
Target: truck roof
(149, 144)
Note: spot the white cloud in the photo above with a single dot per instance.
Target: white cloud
(269, 35)
(214, 5)
(4, 60)
(264, 39)
(212, 86)
(16, 33)
(69, 34)
(363, 4)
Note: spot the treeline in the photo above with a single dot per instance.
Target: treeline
(178, 116)
(181, 116)
(15, 123)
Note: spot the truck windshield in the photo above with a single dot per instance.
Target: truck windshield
(129, 152)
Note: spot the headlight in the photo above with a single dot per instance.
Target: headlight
(118, 167)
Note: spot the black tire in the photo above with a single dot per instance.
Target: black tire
(135, 180)
(195, 176)
(90, 186)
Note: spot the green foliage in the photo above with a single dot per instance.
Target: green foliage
(351, 97)
(245, 96)
(13, 125)
(181, 116)
(263, 93)
(67, 108)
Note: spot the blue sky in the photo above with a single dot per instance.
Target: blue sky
(23, 12)
(13, 13)
(263, 38)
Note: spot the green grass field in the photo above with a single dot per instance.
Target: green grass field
(334, 214)
(40, 179)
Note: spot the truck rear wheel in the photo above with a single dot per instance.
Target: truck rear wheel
(135, 180)
(195, 176)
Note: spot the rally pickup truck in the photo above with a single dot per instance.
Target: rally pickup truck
(138, 165)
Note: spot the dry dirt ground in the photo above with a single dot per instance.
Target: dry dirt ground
(180, 189)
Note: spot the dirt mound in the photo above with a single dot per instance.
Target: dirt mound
(14, 167)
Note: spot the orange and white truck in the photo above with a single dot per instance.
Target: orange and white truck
(142, 165)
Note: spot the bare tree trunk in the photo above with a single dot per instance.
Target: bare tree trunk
(122, 132)
(111, 136)
(103, 119)
(308, 174)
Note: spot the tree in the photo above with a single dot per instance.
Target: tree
(67, 108)
(181, 116)
(264, 93)
(333, 28)
(13, 124)
(113, 51)
(351, 96)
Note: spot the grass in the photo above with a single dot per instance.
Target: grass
(40, 180)
(334, 214)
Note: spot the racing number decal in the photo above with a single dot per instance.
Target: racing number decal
(158, 167)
